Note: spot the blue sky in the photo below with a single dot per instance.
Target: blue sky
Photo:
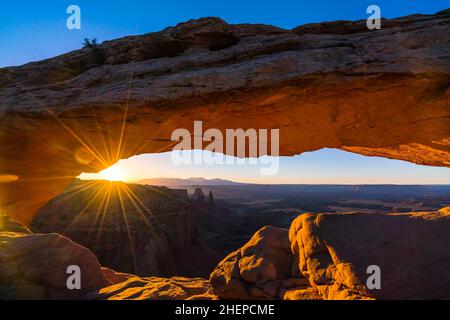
(327, 166)
(35, 30)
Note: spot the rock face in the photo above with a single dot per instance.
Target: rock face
(34, 266)
(139, 229)
(331, 255)
(411, 250)
(264, 268)
(153, 288)
(322, 256)
(335, 85)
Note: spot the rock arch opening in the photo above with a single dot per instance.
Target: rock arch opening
(158, 224)
(321, 167)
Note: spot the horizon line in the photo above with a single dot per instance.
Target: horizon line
(272, 184)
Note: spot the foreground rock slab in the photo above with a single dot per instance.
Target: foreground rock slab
(33, 267)
(412, 251)
(264, 268)
(322, 256)
(327, 257)
(155, 288)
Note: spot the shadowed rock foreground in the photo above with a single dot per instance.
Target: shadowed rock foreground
(322, 256)
(336, 85)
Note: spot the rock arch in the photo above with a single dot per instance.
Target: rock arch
(336, 85)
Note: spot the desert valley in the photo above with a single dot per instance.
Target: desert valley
(155, 242)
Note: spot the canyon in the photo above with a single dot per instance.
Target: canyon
(140, 229)
(328, 85)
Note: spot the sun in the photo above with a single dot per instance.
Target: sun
(113, 174)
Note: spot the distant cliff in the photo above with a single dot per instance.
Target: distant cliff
(174, 182)
(144, 230)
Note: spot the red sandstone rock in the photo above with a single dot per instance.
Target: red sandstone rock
(34, 266)
(258, 270)
(154, 288)
(332, 252)
(382, 93)
(116, 277)
(411, 249)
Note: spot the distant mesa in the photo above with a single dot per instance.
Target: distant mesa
(175, 182)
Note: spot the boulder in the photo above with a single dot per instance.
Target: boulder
(261, 269)
(34, 266)
(412, 251)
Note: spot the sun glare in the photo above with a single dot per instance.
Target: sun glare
(113, 174)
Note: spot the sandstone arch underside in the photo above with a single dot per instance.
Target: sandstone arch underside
(335, 85)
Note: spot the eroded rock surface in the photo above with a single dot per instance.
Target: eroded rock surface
(322, 256)
(335, 85)
(330, 256)
(154, 288)
(34, 266)
(264, 268)
(411, 250)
